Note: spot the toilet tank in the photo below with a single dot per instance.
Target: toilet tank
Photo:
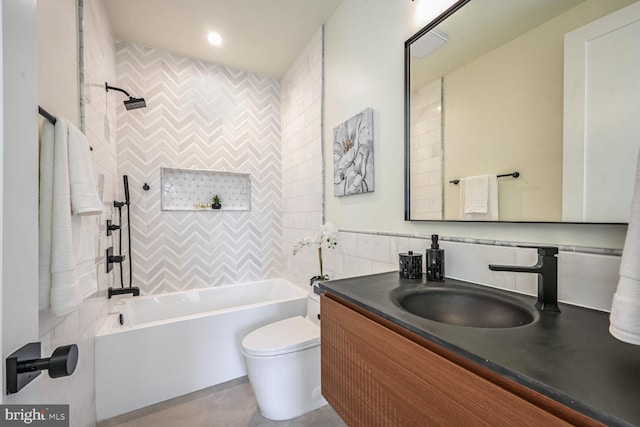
(313, 307)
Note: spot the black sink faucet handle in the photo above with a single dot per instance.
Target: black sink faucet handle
(542, 250)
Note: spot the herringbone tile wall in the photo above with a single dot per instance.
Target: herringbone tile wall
(199, 116)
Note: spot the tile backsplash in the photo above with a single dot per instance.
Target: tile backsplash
(584, 279)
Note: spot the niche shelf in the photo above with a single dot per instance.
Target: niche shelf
(190, 189)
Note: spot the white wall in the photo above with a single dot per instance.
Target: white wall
(301, 124)
(58, 58)
(364, 68)
(426, 152)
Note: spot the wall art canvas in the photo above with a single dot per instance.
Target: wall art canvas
(353, 171)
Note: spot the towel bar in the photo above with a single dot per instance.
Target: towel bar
(513, 174)
(51, 118)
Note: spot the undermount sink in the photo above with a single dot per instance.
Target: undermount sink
(470, 307)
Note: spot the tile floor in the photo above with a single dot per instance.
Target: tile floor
(231, 404)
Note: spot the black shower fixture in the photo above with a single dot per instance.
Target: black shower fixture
(131, 103)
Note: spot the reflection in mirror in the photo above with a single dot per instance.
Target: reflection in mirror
(496, 87)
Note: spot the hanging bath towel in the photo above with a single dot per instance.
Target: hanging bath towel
(67, 252)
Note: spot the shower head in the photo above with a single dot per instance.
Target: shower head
(131, 103)
(134, 103)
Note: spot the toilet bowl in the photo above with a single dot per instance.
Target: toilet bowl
(283, 364)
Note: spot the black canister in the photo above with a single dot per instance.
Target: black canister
(410, 265)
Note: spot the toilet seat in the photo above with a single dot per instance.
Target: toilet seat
(286, 336)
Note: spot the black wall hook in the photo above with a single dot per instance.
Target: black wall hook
(25, 364)
(146, 187)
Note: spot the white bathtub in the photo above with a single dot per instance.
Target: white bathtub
(180, 342)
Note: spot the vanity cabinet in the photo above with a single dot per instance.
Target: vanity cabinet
(376, 373)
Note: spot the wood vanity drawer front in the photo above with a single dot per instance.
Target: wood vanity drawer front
(373, 376)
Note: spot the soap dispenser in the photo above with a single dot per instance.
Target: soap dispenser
(435, 261)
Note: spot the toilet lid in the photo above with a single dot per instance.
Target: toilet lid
(286, 336)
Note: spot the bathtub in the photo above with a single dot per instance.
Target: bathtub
(176, 343)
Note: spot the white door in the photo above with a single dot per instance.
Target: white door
(19, 182)
(602, 117)
(1, 184)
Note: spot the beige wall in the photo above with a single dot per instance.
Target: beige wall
(513, 88)
(58, 58)
(364, 68)
(524, 81)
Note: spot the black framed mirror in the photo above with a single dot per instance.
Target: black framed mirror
(498, 89)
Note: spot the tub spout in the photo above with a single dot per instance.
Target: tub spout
(547, 270)
(134, 290)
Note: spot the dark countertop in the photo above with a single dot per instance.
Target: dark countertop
(568, 356)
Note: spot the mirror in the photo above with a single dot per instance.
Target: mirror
(495, 87)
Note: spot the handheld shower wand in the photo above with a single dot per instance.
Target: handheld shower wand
(120, 259)
(125, 178)
(127, 201)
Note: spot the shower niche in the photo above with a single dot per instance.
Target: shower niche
(193, 189)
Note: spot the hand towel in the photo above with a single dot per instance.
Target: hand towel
(84, 197)
(475, 191)
(479, 198)
(67, 241)
(625, 309)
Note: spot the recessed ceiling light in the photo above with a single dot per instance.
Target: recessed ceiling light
(214, 38)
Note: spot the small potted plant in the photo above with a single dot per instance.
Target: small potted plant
(216, 202)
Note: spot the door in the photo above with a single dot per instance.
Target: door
(19, 178)
(1, 185)
(602, 117)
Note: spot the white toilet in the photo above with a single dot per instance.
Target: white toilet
(283, 364)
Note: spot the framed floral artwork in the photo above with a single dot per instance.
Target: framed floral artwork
(353, 171)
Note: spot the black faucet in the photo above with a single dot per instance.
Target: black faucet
(547, 270)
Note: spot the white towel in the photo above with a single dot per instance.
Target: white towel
(67, 265)
(475, 191)
(479, 198)
(84, 197)
(46, 207)
(625, 309)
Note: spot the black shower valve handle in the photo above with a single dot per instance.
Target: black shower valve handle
(111, 227)
(115, 258)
